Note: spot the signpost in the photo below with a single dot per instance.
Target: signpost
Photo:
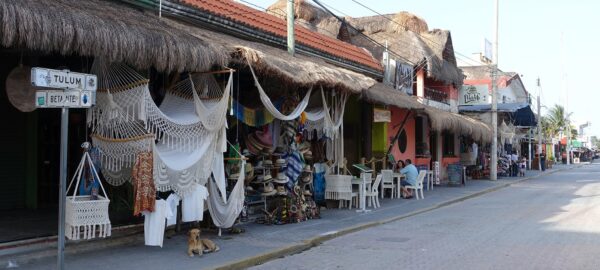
(66, 90)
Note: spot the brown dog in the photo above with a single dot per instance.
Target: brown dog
(198, 245)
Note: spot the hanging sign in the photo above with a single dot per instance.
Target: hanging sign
(474, 94)
(382, 115)
(63, 99)
(50, 78)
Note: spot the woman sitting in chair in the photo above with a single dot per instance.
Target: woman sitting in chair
(399, 165)
(411, 173)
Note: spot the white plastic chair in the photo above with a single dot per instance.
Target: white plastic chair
(418, 187)
(430, 179)
(387, 182)
(372, 192)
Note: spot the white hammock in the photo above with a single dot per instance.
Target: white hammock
(266, 101)
(223, 211)
(332, 128)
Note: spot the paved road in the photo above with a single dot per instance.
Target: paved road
(546, 223)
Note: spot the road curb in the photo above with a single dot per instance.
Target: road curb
(315, 241)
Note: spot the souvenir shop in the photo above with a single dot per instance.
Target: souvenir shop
(243, 138)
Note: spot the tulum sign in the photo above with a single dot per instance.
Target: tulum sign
(64, 79)
(69, 89)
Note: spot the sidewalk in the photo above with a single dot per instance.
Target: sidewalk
(259, 243)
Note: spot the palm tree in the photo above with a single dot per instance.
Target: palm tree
(558, 119)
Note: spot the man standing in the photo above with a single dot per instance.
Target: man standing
(514, 160)
(411, 178)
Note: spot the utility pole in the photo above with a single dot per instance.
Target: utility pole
(290, 27)
(539, 125)
(494, 154)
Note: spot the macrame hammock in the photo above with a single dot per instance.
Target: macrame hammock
(86, 215)
(266, 101)
(224, 211)
(187, 126)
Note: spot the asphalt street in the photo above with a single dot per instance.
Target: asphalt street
(551, 222)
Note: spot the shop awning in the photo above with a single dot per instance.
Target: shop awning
(520, 113)
(460, 124)
(113, 31)
(440, 120)
(386, 95)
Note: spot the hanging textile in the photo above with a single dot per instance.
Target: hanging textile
(224, 211)
(143, 184)
(172, 203)
(188, 125)
(117, 156)
(154, 224)
(272, 109)
(192, 204)
(253, 117)
(294, 165)
(335, 118)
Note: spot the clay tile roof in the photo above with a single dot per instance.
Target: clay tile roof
(263, 21)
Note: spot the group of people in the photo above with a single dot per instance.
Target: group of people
(411, 172)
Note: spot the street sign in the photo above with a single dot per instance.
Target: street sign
(64, 79)
(63, 99)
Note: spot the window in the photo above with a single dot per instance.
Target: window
(448, 144)
(402, 141)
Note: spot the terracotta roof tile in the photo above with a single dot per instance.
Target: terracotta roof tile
(254, 18)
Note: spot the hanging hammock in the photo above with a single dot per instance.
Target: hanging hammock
(266, 101)
(224, 211)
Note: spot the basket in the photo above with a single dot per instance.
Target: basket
(86, 217)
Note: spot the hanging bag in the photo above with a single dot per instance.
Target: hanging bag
(86, 215)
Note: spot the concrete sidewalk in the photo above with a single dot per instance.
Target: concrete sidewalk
(260, 243)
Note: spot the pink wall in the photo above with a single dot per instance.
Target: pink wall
(397, 117)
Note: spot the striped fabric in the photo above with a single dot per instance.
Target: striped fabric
(294, 166)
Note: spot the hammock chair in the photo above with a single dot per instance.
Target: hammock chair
(86, 214)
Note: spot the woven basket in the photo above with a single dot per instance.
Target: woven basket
(86, 217)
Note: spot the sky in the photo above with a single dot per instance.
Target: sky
(529, 42)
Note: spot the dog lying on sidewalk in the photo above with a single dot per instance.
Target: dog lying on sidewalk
(198, 245)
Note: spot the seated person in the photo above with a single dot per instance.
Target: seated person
(399, 166)
(411, 178)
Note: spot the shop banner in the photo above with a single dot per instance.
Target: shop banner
(474, 95)
(382, 115)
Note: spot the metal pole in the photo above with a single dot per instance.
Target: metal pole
(494, 154)
(539, 126)
(529, 156)
(64, 137)
(290, 27)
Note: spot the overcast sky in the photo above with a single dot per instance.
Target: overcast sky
(529, 42)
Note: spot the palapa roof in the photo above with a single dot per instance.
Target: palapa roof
(277, 26)
(104, 29)
(415, 45)
(386, 95)
(270, 61)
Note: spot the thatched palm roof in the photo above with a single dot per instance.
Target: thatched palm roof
(309, 16)
(104, 29)
(415, 46)
(275, 62)
(386, 95)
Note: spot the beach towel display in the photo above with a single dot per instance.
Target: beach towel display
(86, 216)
